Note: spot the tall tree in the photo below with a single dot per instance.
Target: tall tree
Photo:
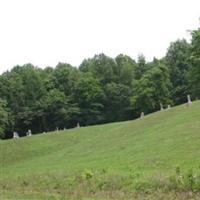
(88, 94)
(194, 73)
(3, 117)
(117, 102)
(64, 78)
(101, 66)
(177, 62)
(55, 110)
(151, 90)
(141, 67)
(124, 70)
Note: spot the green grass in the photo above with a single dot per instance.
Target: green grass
(154, 145)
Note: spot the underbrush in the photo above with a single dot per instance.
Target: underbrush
(90, 184)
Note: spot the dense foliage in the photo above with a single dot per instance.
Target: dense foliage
(101, 90)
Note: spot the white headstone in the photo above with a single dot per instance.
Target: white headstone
(168, 107)
(29, 133)
(57, 129)
(161, 107)
(15, 135)
(78, 125)
(142, 115)
(189, 100)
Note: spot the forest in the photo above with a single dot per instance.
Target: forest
(101, 90)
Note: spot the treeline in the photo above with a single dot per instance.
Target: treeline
(100, 90)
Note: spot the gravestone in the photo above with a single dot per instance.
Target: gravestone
(161, 107)
(15, 135)
(168, 107)
(78, 125)
(189, 100)
(29, 133)
(142, 115)
(57, 129)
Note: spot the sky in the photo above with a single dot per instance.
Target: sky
(45, 32)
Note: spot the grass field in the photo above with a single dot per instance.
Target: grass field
(157, 157)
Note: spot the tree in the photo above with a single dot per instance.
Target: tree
(194, 73)
(141, 67)
(55, 110)
(151, 90)
(64, 78)
(125, 70)
(88, 94)
(101, 67)
(177, 62)
(3, 117)
(117, 102)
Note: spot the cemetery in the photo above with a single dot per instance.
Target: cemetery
(103, 154)
(121, 121)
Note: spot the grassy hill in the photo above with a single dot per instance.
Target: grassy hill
(112, 161)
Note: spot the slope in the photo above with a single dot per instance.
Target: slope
(157, 143)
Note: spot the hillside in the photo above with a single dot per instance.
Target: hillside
(156, 144)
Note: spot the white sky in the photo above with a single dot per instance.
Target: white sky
(45, 32)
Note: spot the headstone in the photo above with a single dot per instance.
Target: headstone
(168, 107)
(161, 107)
(57, 129)
(189, 100)
(29, 133)
(142, 115)
(78, 125)
(44, 132)
(15, 135)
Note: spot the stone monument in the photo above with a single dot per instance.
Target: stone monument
(29, 133)
(168, 107)
(189, 100)
(161, 107)
(15, 135)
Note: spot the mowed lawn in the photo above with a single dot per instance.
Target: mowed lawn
(158, 143)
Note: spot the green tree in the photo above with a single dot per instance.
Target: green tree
(141, 67)
(194, 73)
(117, 102)
(88, 94)
(101, 66)
(64, 78)
(3, 117)
(56, 110)
(124, 70)
(177, 62)
(151, 90)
